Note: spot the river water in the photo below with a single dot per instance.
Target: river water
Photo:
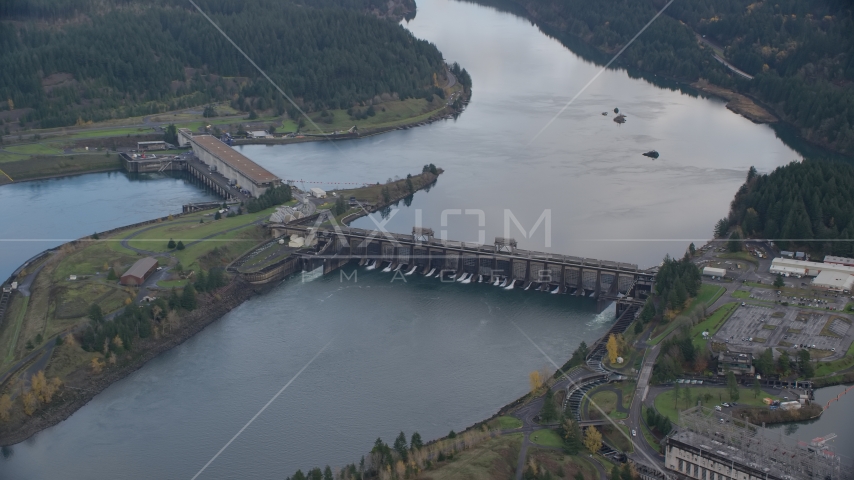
(423, 355)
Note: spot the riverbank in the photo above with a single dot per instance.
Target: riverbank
(217, 304)
(738, 103)
(54, 319)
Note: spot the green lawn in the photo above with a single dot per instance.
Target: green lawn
(647, 434)
(741, 294)
(34, 149)
(714, 323)
(506, 422)
(665, 406)
(172, 283)
(827, 368)
(387, 114)
(18, 322)
(707, 295)
(619, 438)
(546, 438)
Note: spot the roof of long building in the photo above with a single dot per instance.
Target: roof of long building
(234, 159)
(141, 267)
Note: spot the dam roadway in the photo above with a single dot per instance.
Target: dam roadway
(421, 252)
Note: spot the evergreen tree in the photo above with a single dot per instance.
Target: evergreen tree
(174, 300)
(201, 283)
(180, 245)
(171, 244)
(188, 298)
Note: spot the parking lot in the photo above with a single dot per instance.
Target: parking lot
(758, 326)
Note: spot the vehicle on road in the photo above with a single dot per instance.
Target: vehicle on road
(634, 433)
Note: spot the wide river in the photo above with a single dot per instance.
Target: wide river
(409, 356)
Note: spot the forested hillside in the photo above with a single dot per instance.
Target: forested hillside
(806, 200)
(800, 51)
(67, 61)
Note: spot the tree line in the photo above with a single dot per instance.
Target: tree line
(271, 197)
(127, 61)
(807, 204)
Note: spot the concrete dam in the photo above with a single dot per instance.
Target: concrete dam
(501, 264)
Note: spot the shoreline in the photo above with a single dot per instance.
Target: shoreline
(441, 114)
(216, 305)
(233, 295)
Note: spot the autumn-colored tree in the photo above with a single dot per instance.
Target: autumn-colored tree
(172, 320)
(5, 407)
(118, 343)
(536, 380)
(613, 348)
(31, 403)
(49, 389)
(38, 383)
(97, 365)
(592, 440)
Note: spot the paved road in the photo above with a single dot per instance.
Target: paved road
(718, 54)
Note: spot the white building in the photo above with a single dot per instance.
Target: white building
(318, 192)
(811, 269)
(258, 134)
(848, 262)
(834, 281)
(714, 272)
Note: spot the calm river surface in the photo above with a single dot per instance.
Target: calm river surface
(419, 356)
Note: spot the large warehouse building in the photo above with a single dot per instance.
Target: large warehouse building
(808, 269)
(233, 165)
(712, 445)
(139, 272)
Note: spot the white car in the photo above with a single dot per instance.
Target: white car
(634, 433)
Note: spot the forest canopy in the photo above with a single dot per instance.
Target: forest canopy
(806, 204)
(94, 60)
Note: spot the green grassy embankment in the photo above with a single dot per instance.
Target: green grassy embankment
(664, 402)
(706, 297)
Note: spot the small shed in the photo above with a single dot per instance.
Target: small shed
(139, 272)
(318, 192)
(258, 134)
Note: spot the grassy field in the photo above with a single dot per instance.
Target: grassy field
(707, 295)
(15, 330)
(618, 437)
(506, 422)
(828, 368)
(606, 401)
(741, 294)
(664, 402)
(494, 458)
(388, 114)
(647, 434)
(712, 324)
(547, 438)
(41, 166)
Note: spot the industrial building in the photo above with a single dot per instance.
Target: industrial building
(714, 272)
(318, 192)
(242, 172)
(834, 281)
(713, 445)
(848, 262)
(735, 362)
(139, 272)
(153, 145)
(785, 266)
